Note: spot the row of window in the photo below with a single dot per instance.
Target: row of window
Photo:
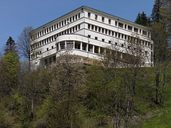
(53, 38)
(56, 26)
(117, 35)
(120, 24)
(50, 60)
(69, 45)
(79, 45)
(87, 47)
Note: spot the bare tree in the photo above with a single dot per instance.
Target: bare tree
(69, 77)
(24, 43)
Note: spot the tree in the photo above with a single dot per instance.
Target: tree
(68, 79)
(159, 36)
(9, 68)
(24, 43)
(142, 19)
(35, 86)
(156, 17)
(10, 45)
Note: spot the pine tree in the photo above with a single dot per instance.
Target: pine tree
(142, 19)
(10, 45)
(156, 11)
(138, 19)
(9, 68)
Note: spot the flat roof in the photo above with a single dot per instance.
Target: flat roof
(95, 10)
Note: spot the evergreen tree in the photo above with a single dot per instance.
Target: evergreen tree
(142, 19)
(9, 68)
(10, 45)
(138, 19)
(156, 11)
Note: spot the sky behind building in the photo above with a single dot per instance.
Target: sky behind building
(17, 14)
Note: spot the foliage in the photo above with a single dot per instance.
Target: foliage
(142, 19)
(156, 17)
(10, 45)
(9, 72)
(23, 42)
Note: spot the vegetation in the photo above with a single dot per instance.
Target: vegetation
(73, 95)
(142, 19)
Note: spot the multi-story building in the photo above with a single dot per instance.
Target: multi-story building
(87, 32)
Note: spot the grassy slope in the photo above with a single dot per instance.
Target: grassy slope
(161, 118)
(154, 117)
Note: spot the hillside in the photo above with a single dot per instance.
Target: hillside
(86, 97)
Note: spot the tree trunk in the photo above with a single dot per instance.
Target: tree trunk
(157, 88)
(32, 108)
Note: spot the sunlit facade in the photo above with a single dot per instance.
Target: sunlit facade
(87, 32)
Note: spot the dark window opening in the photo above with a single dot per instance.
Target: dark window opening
(77, 45)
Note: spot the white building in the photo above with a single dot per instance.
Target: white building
(87, 32)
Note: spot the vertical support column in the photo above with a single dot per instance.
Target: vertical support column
(99, 50)
(65, 45)
(93, 49)
(81, 45)
(121, 56)
(59, 46)
(87, 47)
(73, 45)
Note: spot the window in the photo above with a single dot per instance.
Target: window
(116, 43)
(89, 14)
(144, 32)
(90, 48)
(96, 17)
(119, 35)
(109, 42)
(96, 28)
(102, 19)
(62, 45)
(88, 26)
(84, 46)
(116, 23)
(50, 60)
(96, 49)
(99, 29)
(122, 45)
(77, 45)
(46, 62)
(102, 30)
(123, 36)
(54, 58)
(125, 26)
(116, 34)
(121, 25)
(146, 53)
(101, 50)
(69, 45)
(135, 29)
(96, 38)
(130, 28)
(89, 36)
(109, 32)
(78, 15)
(106, 31)
(57, 48)
(52, 47)
(103, 40)
(109, 21)
(92, 27)
(47, 49)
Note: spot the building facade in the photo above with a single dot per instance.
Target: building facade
(87, 33)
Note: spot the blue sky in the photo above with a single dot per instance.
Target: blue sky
(17, 14)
